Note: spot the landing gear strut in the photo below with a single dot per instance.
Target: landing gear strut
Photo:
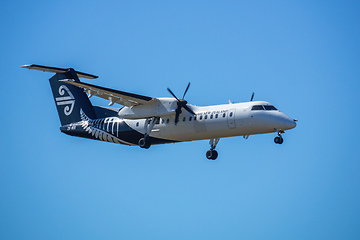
(149, 125)
(212, 154)
(279, 139)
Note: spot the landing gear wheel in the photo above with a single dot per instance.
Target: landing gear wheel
(144, 142)
(211, 154)
(278, 140)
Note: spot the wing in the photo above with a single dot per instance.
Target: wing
(114, 96)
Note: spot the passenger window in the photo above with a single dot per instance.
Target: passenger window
(162, 121)
(184, 119)
(211, 116)
(194, 118)
(224, 115)
(257, 107)
(167, 120)
(231, 114)
(216, 115)
(190, 119)
(201, 117)
(137, 124)
(205, 116)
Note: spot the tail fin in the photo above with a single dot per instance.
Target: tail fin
(69, 99)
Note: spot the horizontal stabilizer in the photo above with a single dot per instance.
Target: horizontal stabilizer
(58, 70)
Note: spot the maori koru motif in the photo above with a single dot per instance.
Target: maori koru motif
(68, 100)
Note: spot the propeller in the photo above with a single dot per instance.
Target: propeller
(181, 103)
(252, 97)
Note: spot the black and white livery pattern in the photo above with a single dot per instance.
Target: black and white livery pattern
(109, 129)
(103, 129)
(144, 121)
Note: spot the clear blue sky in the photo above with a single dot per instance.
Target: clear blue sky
(302, 56)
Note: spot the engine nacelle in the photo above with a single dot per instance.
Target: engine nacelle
(159, 108)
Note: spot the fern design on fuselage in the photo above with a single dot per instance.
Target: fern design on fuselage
(103, 129)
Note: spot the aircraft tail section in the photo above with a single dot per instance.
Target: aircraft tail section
(69, 99)
(80, 118)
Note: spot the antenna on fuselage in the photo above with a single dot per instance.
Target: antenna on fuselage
(252, 97)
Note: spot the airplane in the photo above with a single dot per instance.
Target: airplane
(144, 121)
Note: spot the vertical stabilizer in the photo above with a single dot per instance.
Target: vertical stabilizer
(70, 99)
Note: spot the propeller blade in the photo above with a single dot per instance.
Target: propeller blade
(252, 97)
(181, 103)
(172, 94)
(188, 109)
(187, 88)
(177, 113)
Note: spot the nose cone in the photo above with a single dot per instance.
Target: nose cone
(288, 123)
(292, 123)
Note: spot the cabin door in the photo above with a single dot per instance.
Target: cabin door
(231, 118)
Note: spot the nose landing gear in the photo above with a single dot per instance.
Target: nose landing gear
(212, 154)
(279, 139)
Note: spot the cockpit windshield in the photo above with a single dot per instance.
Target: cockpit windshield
(269, 107)
(262, 107)
(257, 107)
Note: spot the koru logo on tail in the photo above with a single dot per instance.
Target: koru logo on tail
(68, 100)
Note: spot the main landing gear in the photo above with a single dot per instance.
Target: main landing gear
(212, 154)
(149, 125)
(279, 139)
(145, 142)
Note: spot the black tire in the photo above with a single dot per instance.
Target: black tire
(211, 154)
(278, 140)
(144, 143)
(214, 155)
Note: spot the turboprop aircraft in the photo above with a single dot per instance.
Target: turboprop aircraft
(144, 121)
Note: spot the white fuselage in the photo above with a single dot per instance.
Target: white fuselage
(216, 121)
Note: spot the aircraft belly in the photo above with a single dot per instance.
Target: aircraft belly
(196, 131)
